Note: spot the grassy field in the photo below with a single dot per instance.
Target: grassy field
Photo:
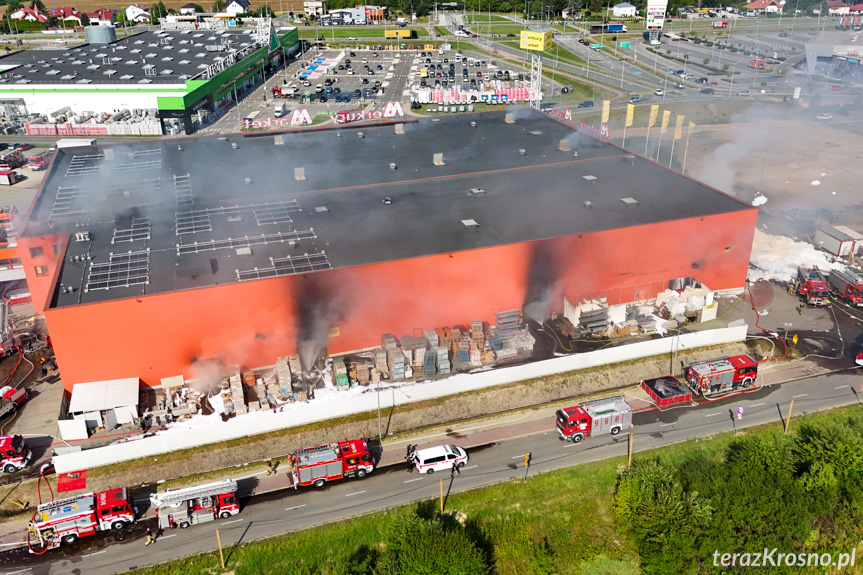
(561, 520)
(483, 18)
(344, 32)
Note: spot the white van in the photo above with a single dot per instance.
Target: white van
(440, 458)
(280, 110)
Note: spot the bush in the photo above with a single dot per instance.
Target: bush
(706, 61)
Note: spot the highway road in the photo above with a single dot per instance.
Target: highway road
(290, 510)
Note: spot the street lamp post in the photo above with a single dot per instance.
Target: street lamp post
(731, 87)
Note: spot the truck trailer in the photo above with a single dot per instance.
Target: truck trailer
(812, 286)
(616, 28)
(318, 465)
(722, 374)
(609, 415)
(67, 520)
(846, 285)
(193, 505)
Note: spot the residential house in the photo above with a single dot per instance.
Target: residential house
(311, 8)
(187, 9)
(28, 15)
(102, 17)
(765, 6)
(624, 10)
(236, 7)
(138, 13)
(837, 7)
(67, 15)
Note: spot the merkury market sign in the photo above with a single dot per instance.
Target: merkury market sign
(301, 117)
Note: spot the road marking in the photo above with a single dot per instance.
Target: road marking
(570, 444)
(234, 521)
(840, 387)
(712, 414)
(519, 457)
(21, 571)
(357, 493)
(801, 395)
(756, 405)
(417, 479)
(666, 424)
(297, 507)
(471, 467)
(166, 536)
(96, 553)
(253, 474)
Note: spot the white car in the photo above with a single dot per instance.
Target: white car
(658, 92)
(353, 38)
(824, 117)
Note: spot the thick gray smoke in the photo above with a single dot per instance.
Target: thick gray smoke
(319, 307)
(207, 374)
(541, 282)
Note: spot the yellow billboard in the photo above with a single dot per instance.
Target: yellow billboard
(539, 41)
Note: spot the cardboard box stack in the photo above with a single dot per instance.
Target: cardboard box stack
(396, 363)
(442, 356)
(363, 373)
(380, 358)
(283, 375)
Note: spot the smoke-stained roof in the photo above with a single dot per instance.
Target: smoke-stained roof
(166, 215)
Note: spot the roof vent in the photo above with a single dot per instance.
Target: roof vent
(299, 174)
(82, 236)
(522, 151)
(438, 160)
(510, 118)
(360, 135)
(322, 209)
(248, 180)
(589, 178)
(473, 124)
(629, 201)
(392, 165)
(234, 145)
(400, 128)
(563, 146)
(477, 191)
(587, 204)
(470, 223)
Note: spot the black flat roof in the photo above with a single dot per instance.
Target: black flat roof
(168, 215)
(151, 57)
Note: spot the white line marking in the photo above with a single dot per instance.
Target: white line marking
(840, 387)
(570, 444)
(166, 536)
(253, 474)
(234, 521)
(756, 405)
(666, 424)
(21, 571)
(712, 414)
(96, 553)
(801, 395)
(297, 507)
(357, 493)
(410, 480)
(471, 467)
(519, 457)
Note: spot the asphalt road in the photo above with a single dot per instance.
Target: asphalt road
(281, 512)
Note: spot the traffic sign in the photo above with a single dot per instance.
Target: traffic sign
(596, 45)
(638, 71)
(624, 44)
(740, 414)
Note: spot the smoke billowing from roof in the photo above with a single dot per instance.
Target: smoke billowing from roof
(320, 305)
(542, 278)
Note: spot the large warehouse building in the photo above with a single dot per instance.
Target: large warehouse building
(183, 76)
(147, 257)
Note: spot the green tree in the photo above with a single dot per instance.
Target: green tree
(157, 11)
(85, 20)
(199, 9)
(12, 6)
(219, 6)
(706, 61)
(417, 546)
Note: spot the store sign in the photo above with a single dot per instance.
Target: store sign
(301, 117)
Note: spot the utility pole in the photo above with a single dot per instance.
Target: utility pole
(631, 441)
(788, 417)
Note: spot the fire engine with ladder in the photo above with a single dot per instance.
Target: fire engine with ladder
(194, 505)
(812, 285)
(722, 374)
(609, 415)
(318, 465)
(66, 520)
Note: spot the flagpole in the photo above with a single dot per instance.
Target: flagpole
(683, 170)
(658, 147)
(624, 136)
(673, 141)
(646, 141)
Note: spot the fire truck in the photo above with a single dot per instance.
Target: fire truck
(10, 399)
(284, 91)
(66, 520)
(720, 24)
(14, 453)
(609, 415)
(858, 357)
(812, 286)
(194, 505)
(317, 465)
(846, 285)
(38, 162)
(722, 374)
(11, 160)
(9, 343)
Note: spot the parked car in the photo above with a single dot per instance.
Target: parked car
(824, 117)
(635, 99)
(678, 85)
(713, 84)
(659, 92)
(352, 38)
(708, 91)
(586, 104)
(744, 93)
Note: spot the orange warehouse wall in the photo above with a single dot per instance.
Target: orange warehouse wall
(253, 323)
(41, 287)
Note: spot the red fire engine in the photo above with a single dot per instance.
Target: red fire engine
(66, 520)
(11, 160)
(193, 505)
(609, 415)
(858, 357)
(14, 453)
(846, 285)
(317, 465)
(722, 374)
(812, 286)
(38, 162)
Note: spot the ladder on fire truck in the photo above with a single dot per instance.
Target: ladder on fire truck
(598, 404)
(311, 455)
(178, 496)
(50, 507)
